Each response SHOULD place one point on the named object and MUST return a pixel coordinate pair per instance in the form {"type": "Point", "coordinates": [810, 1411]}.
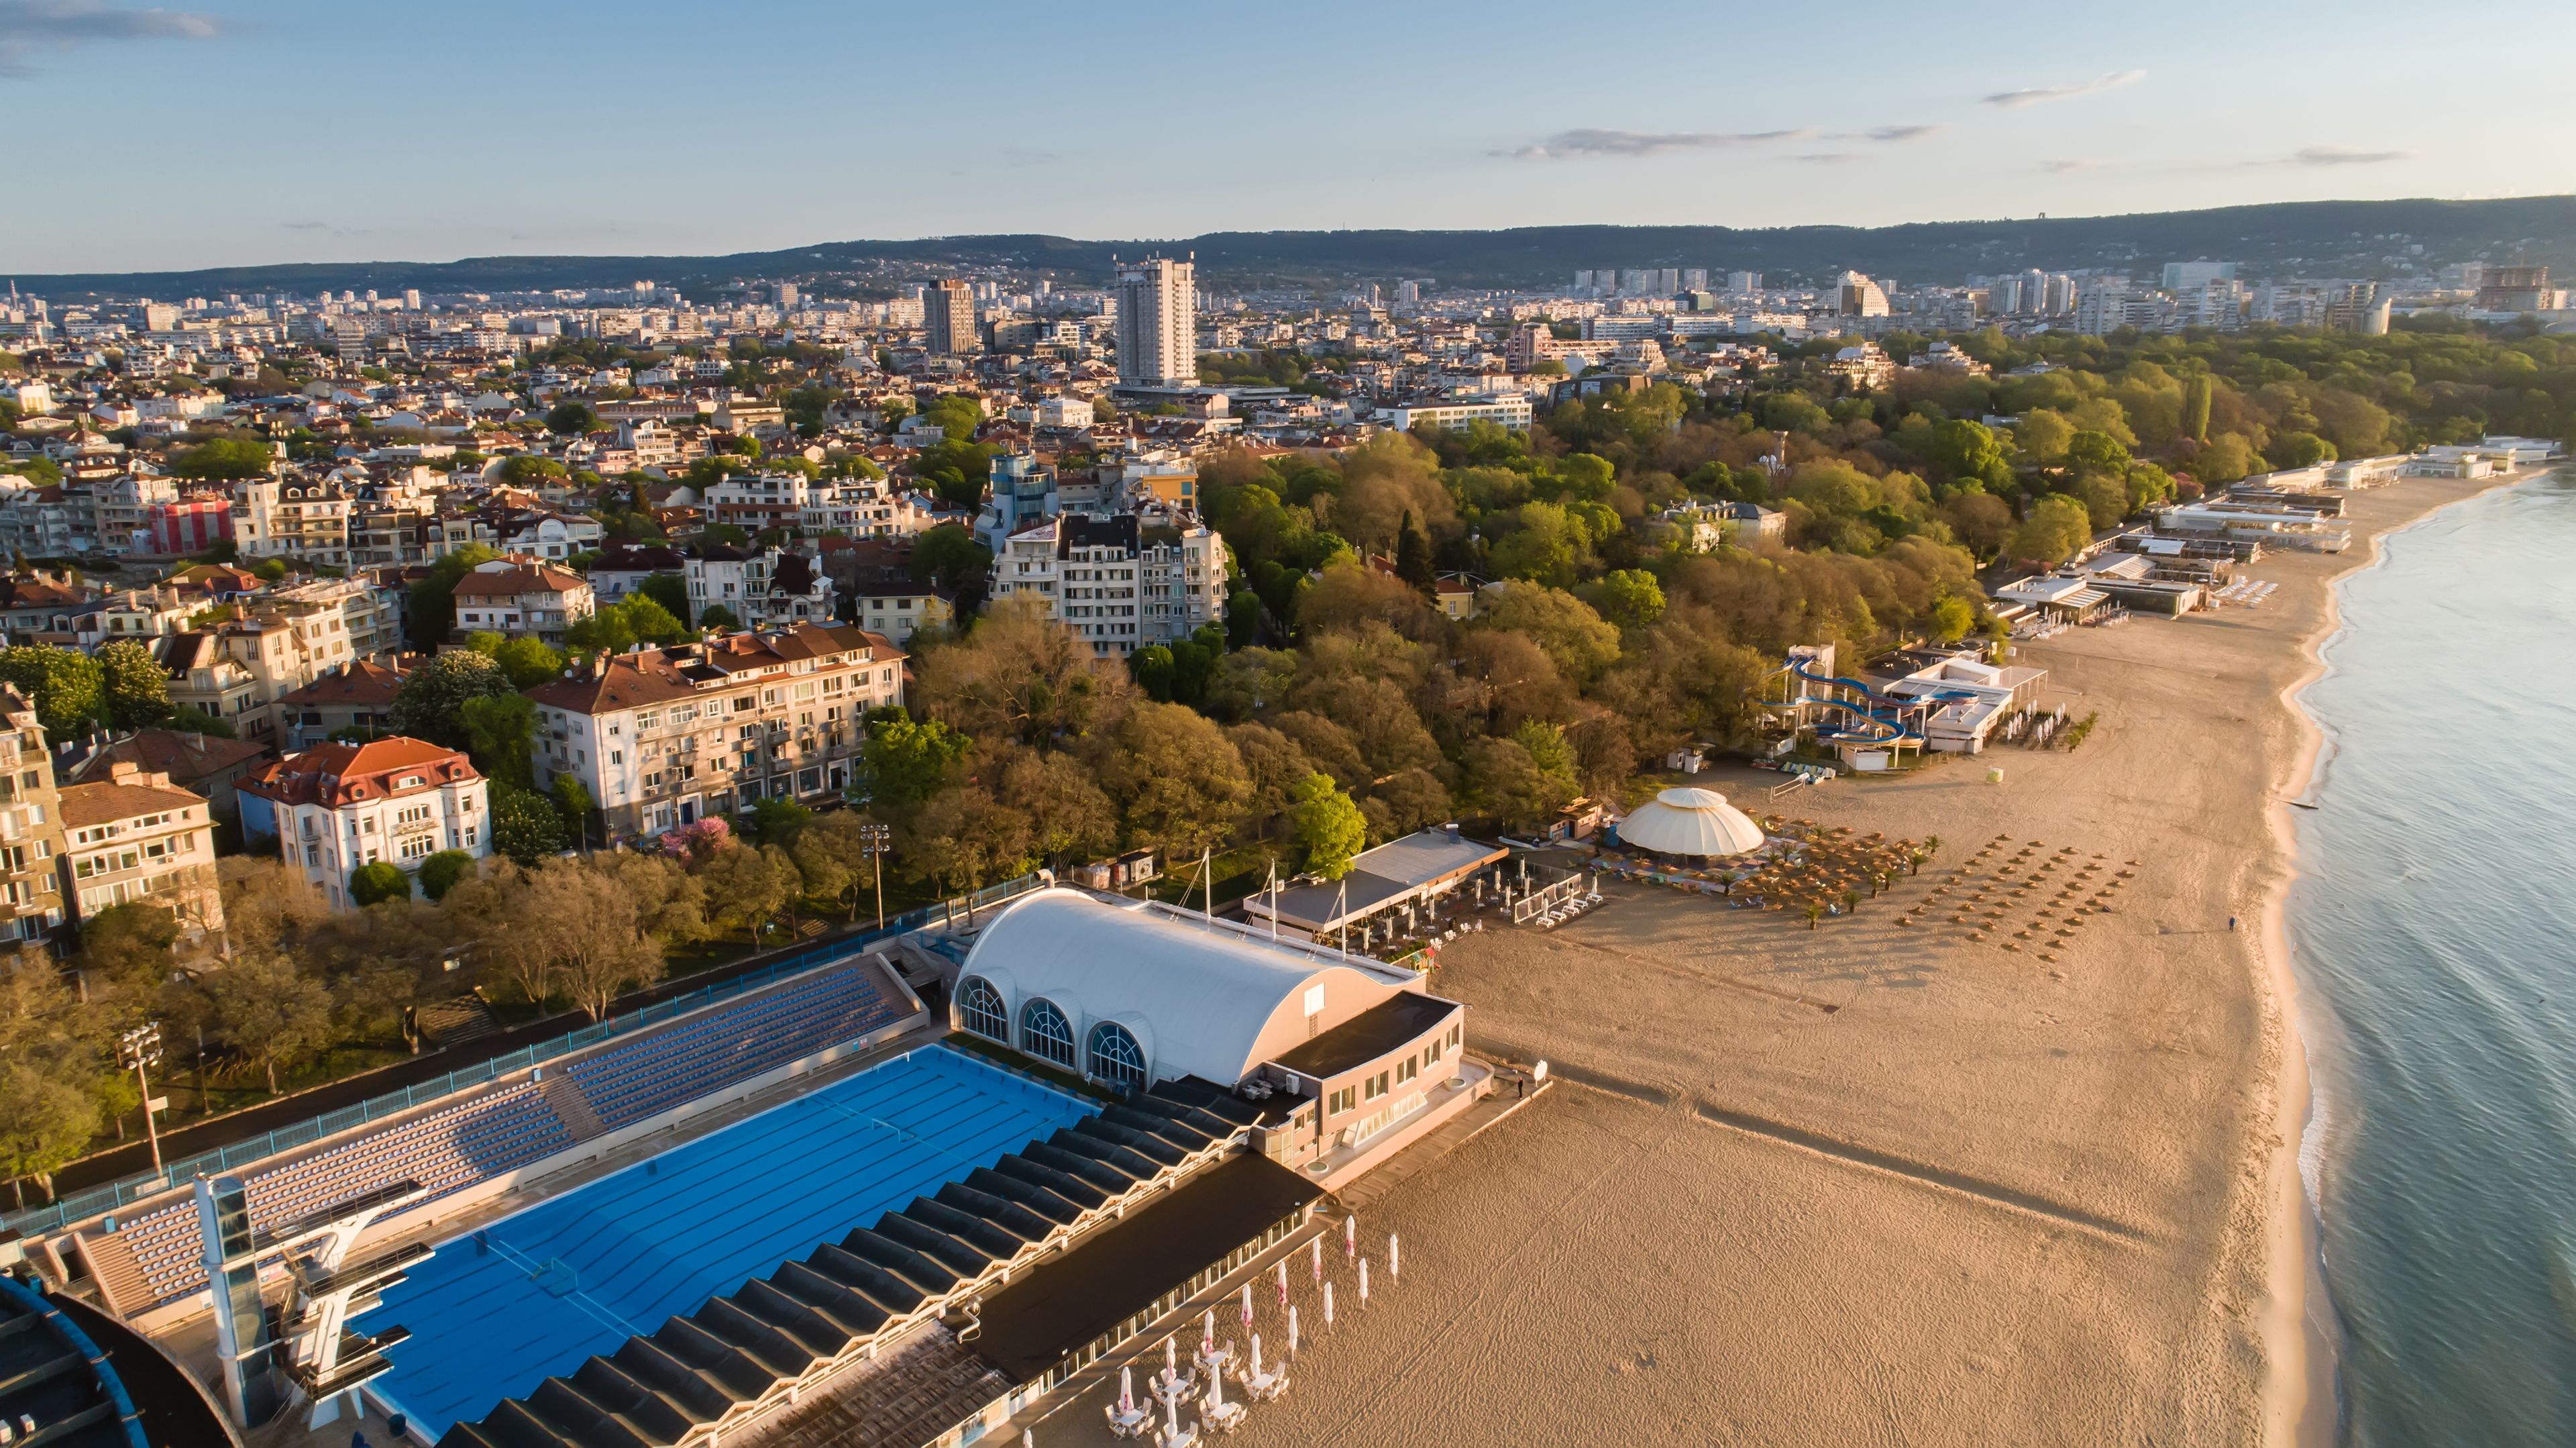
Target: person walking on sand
{"type": "Point", "coordinates": [2231, 925]}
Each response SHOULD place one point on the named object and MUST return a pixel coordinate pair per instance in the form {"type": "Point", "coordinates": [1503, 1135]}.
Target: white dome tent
{"type": "Point", "coordinates": [1686, 821]}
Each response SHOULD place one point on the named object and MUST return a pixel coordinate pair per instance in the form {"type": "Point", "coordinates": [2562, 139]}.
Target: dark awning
{"type": "Point", "coordinates": [1058, 1307]}
{"type": "Point", "coordinates": [1372, 1033]}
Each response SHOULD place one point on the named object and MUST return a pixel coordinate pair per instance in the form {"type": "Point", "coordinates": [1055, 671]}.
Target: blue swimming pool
{"type": "Point", "coordinates": [498, 1310]}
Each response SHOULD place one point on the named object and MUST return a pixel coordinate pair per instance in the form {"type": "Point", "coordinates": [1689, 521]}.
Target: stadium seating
{"type": "Point", "coordinates": [485, 1132]}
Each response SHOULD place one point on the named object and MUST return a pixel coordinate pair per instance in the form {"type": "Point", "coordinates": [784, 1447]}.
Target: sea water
{"type": "Point", "coordinates": [2434, 935]}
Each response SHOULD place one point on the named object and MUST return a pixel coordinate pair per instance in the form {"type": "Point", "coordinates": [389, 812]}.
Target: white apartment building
{"type": "Point", "coordinates": [514, 596]}
{"type": "Point", "coordinates": [665, 737]}
{"type": "Point", "coordinates": [865, 510]}
{"type": "Point", "coordinates": [291, 519]}
{"type": "Point", "coordinates": [337, 807]}
{"type": "Point", "coordinates": [1119, 582]}
{"type": "Point", "coordinates": [760, 587]}
{"type": "Point", "coordinates": [1158, 304]}
{"type": "Point", "coordinates": [1509, 411]}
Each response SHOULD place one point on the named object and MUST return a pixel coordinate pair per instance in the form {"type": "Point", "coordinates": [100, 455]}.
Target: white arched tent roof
{"type": "Point", "coordinates": [1196, 999]}
{"type": "Point", "coordinates": [1688, 821]}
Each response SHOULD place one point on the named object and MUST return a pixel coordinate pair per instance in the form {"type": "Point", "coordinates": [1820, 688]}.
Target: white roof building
{"type": "Point", "coordinates": [1687, 821]}
{"type": "Point", "coordinates": [1196, 998]}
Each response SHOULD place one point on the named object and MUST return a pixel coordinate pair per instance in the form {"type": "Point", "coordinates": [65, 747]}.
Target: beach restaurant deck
{"type": "Point", "coordinates": [1399, 875]}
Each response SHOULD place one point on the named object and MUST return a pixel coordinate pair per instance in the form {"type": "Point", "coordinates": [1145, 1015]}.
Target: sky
{"type": "Point", "coordinates": [231, 132]}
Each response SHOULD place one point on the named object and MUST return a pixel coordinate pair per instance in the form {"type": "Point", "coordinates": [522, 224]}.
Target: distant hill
{"type": "Point", "coordinates": [2320, 238]}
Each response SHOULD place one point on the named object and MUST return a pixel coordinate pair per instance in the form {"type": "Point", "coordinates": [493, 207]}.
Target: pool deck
{"type": "Point", "coordinates": [193, 1341]}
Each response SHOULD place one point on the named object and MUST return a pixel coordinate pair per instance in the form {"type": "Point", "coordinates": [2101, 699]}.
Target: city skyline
{"type": "Point", "coordinates": [528, 131]}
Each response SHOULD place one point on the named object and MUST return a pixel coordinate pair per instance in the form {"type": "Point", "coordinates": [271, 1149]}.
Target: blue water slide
{"type": "Point", "coordinates": [1889, 730]}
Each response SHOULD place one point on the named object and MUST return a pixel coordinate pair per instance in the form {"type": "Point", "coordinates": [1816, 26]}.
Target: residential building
{"type": "Point", "coordinates": [948, 315]}
{"type": "Point", "coordinates": [2186, 276]}
{"type": "Point", "coordinates": [359, 696]}
{"type": "Point", "coordinates": [663, 737]}
{"type": "Point", "coordinates": [1119, 582]}
{"type": "Point", "coordinates": [133, 837]}
{"type": "Point", "coordinates": [1509, 411]}
{"type": "Point", "coordinates": [337, 807]}
{"type": "Point", "coordinates": [760, 587]}
{"type": "Point", "coordinates": [1854, 295]}
{"type": "Point", "coordinates": [32, 913]}
{"type": "Point", "coordinates": [620, 570]}
{"type": "Point", "coordinates": [516, 596]}
{"type": "Point", "coordinates": [291, 518]}
{"type": "Point", "coordinates": [187, 525]}
{"type": "Point", "coordinates": [203, 764]}
{"type": "Point", "coordinates": [1157, 323]}
{"type": "Point", "coordinates": [898, 609]}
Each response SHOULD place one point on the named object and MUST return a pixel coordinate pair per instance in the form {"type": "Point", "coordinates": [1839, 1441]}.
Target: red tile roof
{"type": "Point", "coordinates": [333, 775]}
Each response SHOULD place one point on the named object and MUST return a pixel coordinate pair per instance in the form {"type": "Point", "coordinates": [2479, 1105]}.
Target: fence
{"type": "Point", "coordinates": [1541, 899]}
{"type": "Point", "coordinates": [179, 1173]}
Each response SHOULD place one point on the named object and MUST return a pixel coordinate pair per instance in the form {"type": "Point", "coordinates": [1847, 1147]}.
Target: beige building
{"type": "Point", "coordinates": [135, 837]}
{"type": "Point", "coordinates": [292, 519]}
{"type": "Point", "coordinates": [515, 596]}
{"type": "Point", "coordinates": [240, 668]}
{"type": "Point", "coordinates": [664, 737]}
{"type": "Point", "coordinates": [31, 832]}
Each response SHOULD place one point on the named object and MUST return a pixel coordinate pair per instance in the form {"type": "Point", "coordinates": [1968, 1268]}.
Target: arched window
{"type": "Point", "coordinates": [1046, 1034]}
{"type": "Point", "coordinates": [979, 1009]}
{"type": "Point", "coordinates": [1116, 1060]}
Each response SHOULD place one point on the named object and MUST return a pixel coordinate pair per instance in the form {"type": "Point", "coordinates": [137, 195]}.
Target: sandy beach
{"type": "Point", "coordinates": [1876, 1183]}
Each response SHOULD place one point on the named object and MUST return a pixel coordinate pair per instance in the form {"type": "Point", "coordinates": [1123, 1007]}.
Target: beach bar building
{"type": "Point", "coordinates": [1401, 874]}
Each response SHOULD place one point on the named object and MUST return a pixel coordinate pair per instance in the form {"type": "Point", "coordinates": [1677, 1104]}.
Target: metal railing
{"type": "Point", "coordinates": [179, 1173]}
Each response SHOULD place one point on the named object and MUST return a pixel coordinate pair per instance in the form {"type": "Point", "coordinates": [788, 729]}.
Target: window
{"type": "Point", "coordinates": [1045, 1034]}
{"type": "Point", "coordinates": [1406, 1070]}
{"type": "Point", "coordinates": [979, 1009]}
{"type": "Point", "coordinates": [1375, 1087]}
{"type": "Point", "coordinates": [1341, 1101]}
{"type": "Point", "coordinates": [1116, 1060]}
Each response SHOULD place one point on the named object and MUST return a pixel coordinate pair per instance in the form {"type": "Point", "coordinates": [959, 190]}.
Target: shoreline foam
{"type": "Point", "coordinates": [2296, 1317]}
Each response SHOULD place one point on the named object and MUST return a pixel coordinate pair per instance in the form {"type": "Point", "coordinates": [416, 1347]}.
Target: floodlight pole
{"type": "Point", "coordinates": [140, 1045]}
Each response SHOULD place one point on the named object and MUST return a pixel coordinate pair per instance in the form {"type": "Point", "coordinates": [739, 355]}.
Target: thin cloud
{"type": "Point", "coordinates": [1902, 133]}
{"type": "Point", "coordinates": [2336, 156]}
{"type": "Point", "coordinates": [30, 26]}
{"type": "Point", "coordinates": [2039, 95]}
{"type": "Point", "coordinates": [2062, 166]}
{"type": "Point", "coordinates": [1826, 158]}
{"type": "Point", "coordinates": [1590, 141]}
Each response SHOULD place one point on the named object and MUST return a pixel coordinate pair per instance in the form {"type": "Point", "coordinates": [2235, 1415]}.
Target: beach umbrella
{"type": "Point", "coordinates": [1207, 1331]}
{"type": "Point", "coordinates": [1283, 1282]}
{"type": "Point", "coordinates": [1319, 1259]}
{"type": "Point", "coordinates": [1127, 1389]}
{"type": "Point", "coordinates": [1216, 1394]}
{"type": "Point", "coordinates": [1394, 1263]}
{"type": "Point", "coordinates": [1292, 1329]}
{"type": "Point", "coordinates": [1247, 1304]}
{"type": "Point", "coordinates": [1363, 1282]}
{"type": "Point", "coordinates": [1171, 1357]}
{"type": "Point", "coordinates": [1328, 1304]}
{"type": "Point", "coordinates": [1256, 1354]}
{"type": "Point", "coordinates": [1172, 1416]}
{"type": "Point", "coordinates": [1028, 1438]}
{"type": "Point", "coordinates": [1351, 1238]}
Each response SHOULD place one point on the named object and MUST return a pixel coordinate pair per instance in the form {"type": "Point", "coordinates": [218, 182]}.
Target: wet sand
{"type": "Point", "coordinates": [1877, 1184]}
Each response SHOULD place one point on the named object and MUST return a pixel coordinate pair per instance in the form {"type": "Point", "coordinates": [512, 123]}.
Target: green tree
{"type": "Point", "coordinates": [2299, 450]}
{"type": "Point", "coordinates": [572, 801]}
{"type": "Point", "coordinates": [431, 700]}
{"type": "Point", "coordinates": [224, 459]}
{"type": "Point", "coordinates": [2057, 527]}
{"type": "Point", "coordinates": [716, 615]}
{"type": "Point", "coordinates": [137, 688]}
{"type": "Point", "coordinates": [1413, 556]}
{"type": "Point", "coordinates": [651, 621]}
{"type": "Point", "coordinates": [1628, 597]}
{"type": "Point", "coordinates": [501, 736]}
{"type": "Point", "coordinates": [193, 720]}
{"type": "Point", "coordinates": [1328, 826]}
{"type": "Point", "coordinates": [431, 613]}
{"type": "Point", "coordinates": [2096, 452]}
{"type": "Point", "coordinates": [528, 662]}
{"type": "Point", "coordinates": [1952, 617]}
{"type": "Point", "coordinates": [671, 591]}
{"type": "Point", "coordinates": [571, 419]}
{"type": "Point", "coordinates": [378, 881]}
{"type": "Point", "coordinates": [2195, 407]}
{"type": "Point", "coordinates": [527, 470]}
{"type": "Point", "coordinates": [778, 821]}
{"type": "Point", "coordinates": [905, 762]}
{"type": "Point", "coordinates": [952, 558]}
{"type": "Point", "coordinates": [440, 872]}
{"type": "Point", "coordinates": [68, 689]}
{"type": "Point", "coordinates": [264, 1009]}
{"type": "Point", "coordinates": [525, 826]}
